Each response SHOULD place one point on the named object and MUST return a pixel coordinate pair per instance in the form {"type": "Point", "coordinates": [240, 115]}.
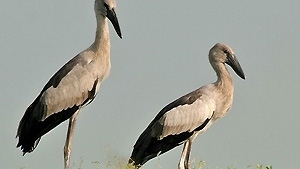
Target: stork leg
{"type": "Point", "coordinates": [185, 155]}
{"type": "Point", "coordinates": [68, 144]}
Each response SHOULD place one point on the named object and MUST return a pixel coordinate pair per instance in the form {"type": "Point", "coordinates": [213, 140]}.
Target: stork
{"type": "Point", "coordinates": [183, 119]}
{"type": "Point", "coordinates": [72, 87]}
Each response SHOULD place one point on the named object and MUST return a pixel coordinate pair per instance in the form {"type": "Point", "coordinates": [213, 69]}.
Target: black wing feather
{"type": "Point", "coordinates": [148, 147]}
{"type": "Point", "coordinates": [61, 73]}
{"type": "Point", "coordinates": [31, 128]}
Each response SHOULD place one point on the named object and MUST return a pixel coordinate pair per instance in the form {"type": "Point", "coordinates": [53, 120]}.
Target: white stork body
{"type": "Point", "coordinates": [72, 87]}
{"type": "Point", "coordinates": [183, 119]}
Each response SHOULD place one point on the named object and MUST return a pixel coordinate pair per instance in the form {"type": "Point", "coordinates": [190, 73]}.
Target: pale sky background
{"type": "Point", "coordinates": [162, 56]}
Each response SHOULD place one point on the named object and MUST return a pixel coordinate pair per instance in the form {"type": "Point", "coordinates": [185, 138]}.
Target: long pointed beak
{"type": "Point", "coordinates": [234, 63]}
{"type": "Point", "coordinates": [111, 15]}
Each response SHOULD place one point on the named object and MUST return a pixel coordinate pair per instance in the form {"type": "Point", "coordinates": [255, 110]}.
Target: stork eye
{"type": "Point", "coordinates": [106, 6]}
{"type": "Point", "coordinates": [226, 51]}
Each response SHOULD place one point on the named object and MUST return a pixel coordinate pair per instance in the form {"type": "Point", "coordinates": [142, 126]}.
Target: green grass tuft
{"type": "Point", "coordinates": [121, 163]}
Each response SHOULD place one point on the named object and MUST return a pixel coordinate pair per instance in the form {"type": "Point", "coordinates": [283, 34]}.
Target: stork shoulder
{"type": "Point", "coordinates": [184, 114]}
{"type": "Point", "coordinates": [71, 85]}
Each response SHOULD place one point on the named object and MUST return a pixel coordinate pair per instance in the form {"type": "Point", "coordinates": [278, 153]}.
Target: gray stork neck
{"type": "Point", "coordinates": [224, 80]}
{"type": "Point", "coordinates": [102, 41]}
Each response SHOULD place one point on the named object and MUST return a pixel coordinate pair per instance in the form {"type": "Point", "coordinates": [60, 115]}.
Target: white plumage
{"type": "Point", "coordinates": [183, 119]}
{"type": "Point", "coordinates": [72, 87]}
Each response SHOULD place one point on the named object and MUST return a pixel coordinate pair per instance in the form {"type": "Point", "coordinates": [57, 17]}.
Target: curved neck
{"type": "Point", "coordinates": [224, 80]}
{"type": "Point", "coordinates": [102, 35]}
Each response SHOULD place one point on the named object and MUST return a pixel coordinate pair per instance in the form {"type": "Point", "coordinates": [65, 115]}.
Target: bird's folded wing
{"type": "Point", "coordinates": [73, 85]}
{"type": "Point", "coordinates": [185, 118]}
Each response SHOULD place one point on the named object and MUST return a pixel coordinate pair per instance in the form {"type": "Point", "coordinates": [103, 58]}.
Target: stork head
{"type": "Point", "coordinates": [106, 8]}
{"type": "Point", "coordinates": [222, 53]}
